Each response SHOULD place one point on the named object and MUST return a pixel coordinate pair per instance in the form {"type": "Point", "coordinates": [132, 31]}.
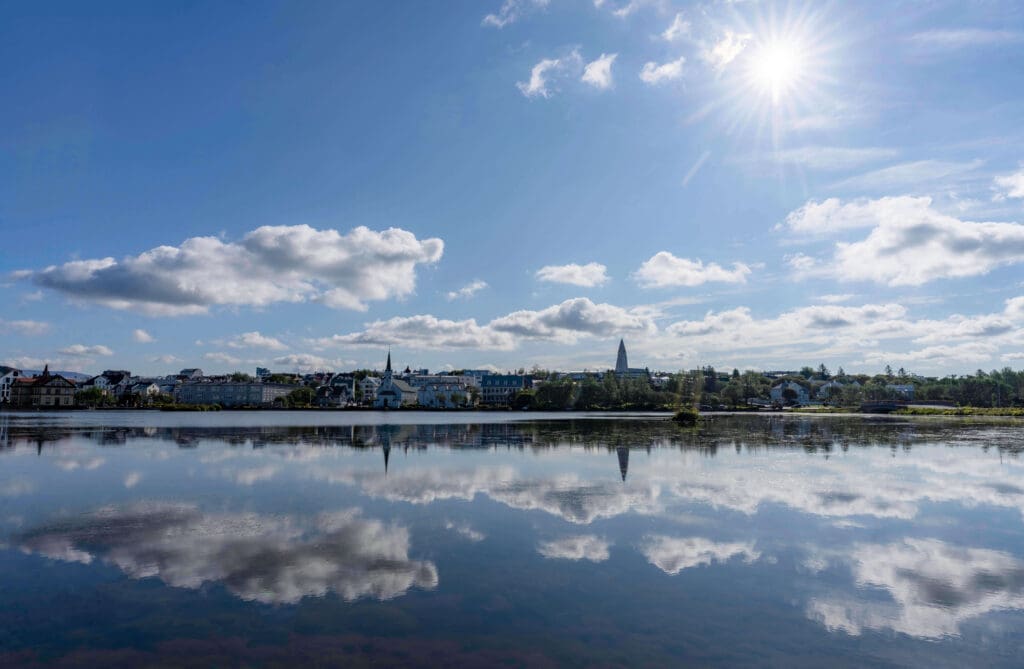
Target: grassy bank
{"type": "Point", "coordinates": [961, 411]}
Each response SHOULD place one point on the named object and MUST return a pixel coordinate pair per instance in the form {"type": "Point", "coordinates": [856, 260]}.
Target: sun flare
{"type": "Point", "coordinates": [776, 68]}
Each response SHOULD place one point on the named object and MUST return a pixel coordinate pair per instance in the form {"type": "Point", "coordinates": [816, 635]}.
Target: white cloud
{"type": "Point", "coordinates": [537, 86]}
{"type": "Point", "coordinates": [256, 340]}
{"type": "Point", "coordinates": [305, 363]}
{"type": "Point", "coordinates": [598, 73]}
{"type": "Point", "coordinates": [910, 242]}
{"type": "Point", "coordinates": [653, 73]}
{"type": "Point", "coordinates": [221, 357]}
{"type": "Point", "coordinates": [510, 12]}
{"type": "Point", "coordinates": [165, 359]}
{"type": "Point", "coordinates": [679, 28]}
{"type": "Point", "coordinates": [27, 328]}
{"type": "Point", "coordinates": [726, 49]}
{"type": "Point", "coordinates": [467, 291]}
{"type": "Point", "coordinates": [425, 332]}
{"type": "Point", "coordinates": [573, 318]}
{"type": "Point", "coordinates": [578, 547]}
{"type": "Point", "coordinates": [836, 298]}
{"type": "Point", "coordinates": [142, 337]}
{"type": "Point", "coordinates": [81, 350]}
{"type": "Point", "coordinates": [132, 479]}
{"type": "Point", "coordinates": [589, 275]}
{"type": "Point", "coordinates": [270, 264]}
{"type": "Point", "coordinates": [664, 270]}
{"type": "Point", "coordinates": [565, 322]}
{"type": "Point", "coordinates": [1010, 185]}
{"type": "Point", "coordinates": [672, 555]}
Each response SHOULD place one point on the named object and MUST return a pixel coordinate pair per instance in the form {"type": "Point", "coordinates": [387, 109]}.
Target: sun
{"type": "Point", "coordinates": [776, 68]}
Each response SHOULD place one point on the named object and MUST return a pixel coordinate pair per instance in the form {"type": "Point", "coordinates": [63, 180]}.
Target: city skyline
{"type": "Point", "coordinates": [512, 183]}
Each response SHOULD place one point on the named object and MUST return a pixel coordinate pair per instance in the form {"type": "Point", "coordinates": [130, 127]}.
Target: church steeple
{"type": "Point", "coordinates": [621, 363]}
{"type": "Point", "coordinates": [388, 367]}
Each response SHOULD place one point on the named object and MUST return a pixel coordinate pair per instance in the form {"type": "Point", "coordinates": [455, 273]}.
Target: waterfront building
{"type": "Point", "coordinates": [443, 395]}
{"type": "Point", "coordinates": [500, 389]}
{"type": "Point", "coordinates": [393, 393]}
{"type": "Point", "coordinates": [368, 389]}
{"type": "Point", "coordinates": [45, 391]}
{"type": "Point", "coordinates": [233, 393]}
{"type": "Point", "coordinates": [778, 393]}
{"type": "Point", "coordinates": [8, 375]}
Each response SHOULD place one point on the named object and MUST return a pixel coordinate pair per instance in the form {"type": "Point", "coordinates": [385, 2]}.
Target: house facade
{"type": "Point", "coordinates": [778, 393]}
{"type": "Point", "coordinates": [232, 393]}
{"type": "Point", "coordinates": [443, 395]}
{"type": "Point", "coordinates": [499, 389]}
{"type": "Point", "coordinates": [8, 375]}
{"type": "Point", "coordinates": [48, 391]}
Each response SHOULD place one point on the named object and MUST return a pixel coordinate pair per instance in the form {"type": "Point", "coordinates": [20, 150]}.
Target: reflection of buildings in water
{"type": "Point", "coordinates": [623, 454]}
{"type": "Point", "coordinates": [5, 441]}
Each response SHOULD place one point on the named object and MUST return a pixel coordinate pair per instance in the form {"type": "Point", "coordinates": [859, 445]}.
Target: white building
{"type": "Point", "coordinates": [368, 389]}
{"type": "Point", "coordinates": [394, 393]}
{"type": "Point", "coordinates": [7, 377]}
{"type": "Point", "coordinates": [443, 395]}
{"type": "Point", "coordinates": [778, 393]}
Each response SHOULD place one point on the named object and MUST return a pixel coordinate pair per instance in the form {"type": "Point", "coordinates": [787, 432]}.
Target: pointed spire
{"type": "Point", "coordinates": [46, 369]}
{"type": "Point", "coordinates": [623, 454]}
{"type": "Point", "coordinates": [387, 456]}
{"type": "Point", "coordinates": [388, 367]}
{"type": "Point", "coordinates": [621, 362]}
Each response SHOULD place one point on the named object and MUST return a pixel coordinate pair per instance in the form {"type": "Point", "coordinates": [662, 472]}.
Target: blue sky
{"type": "Point", "coordinates": [512, 182]}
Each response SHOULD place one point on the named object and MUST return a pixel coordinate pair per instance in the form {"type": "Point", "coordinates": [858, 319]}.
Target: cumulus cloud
{"type": "Point", "coordinates": [221, 357]}
{"type": "Point", "coordinates": [571, 319]}
{"type": "Point", "coordinates": [598, 73]}
{"type": "Point", "coordinates": [726, 49]}
{"type": "Point", "coordinates": [665, 270]}
{"type": "Point", "coordinates": [27, 328]}
{"type": "Point", "coordinates": [424, 332]}
{"type": "Point", "coordinates": [268, 559]}
{"type": "Point", "coordinates": [910, 242]}
{"type": "Point", "coordinates": [537, 86]}
{"type": "Point", "coordinates": [672, 555]}
{"type": "Point", "coordinates": [270, 264]}
{"type": "Point", "coordinates": [1010, 185]}
{"type": "Point", "coordinates": [679, 28]}
{"type": "Point", "coordinates": [256, 340]}
{"type": "Point", "coordinates": [511, 11]}
{"type": "Point", "coordinates": [589, 275]}
{"type": "Point", "coordinates": [467, 291]}
{"type": "Point", "coordinates": [82, 351]}
{"type": "Point", "coordinates": [142, 337]}
{"type": "Point", "coordinates": [306, 362]}
{"type": "Point", "coordinates": [653, 73]}
{"type": "Point", "coordinates": [847, 330]}
{"type": "Point", "coordinates": [578, 547]}
{"type": "Point", "coordinates": [565, 322]}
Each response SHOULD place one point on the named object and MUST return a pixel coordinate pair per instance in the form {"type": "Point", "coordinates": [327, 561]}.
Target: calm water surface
{"type": "Point", "coordinates": [524, 540]}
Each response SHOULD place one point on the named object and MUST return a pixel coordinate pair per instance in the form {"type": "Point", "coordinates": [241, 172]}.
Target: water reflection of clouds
{"type": "Point", "coordinates": [569, 496]}
{"type": "Point", "coordinates": [932, 587]}
{"type": "Point", "coordinates": [674, 554]}
{"type": "Point", "coordinates": [578, 547]}
{"type": "Point", "coordinates": [269, 559]}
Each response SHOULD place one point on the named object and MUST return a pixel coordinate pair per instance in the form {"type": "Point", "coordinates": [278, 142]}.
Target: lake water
{"type": "Point", "coordinates": [535, 540]}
